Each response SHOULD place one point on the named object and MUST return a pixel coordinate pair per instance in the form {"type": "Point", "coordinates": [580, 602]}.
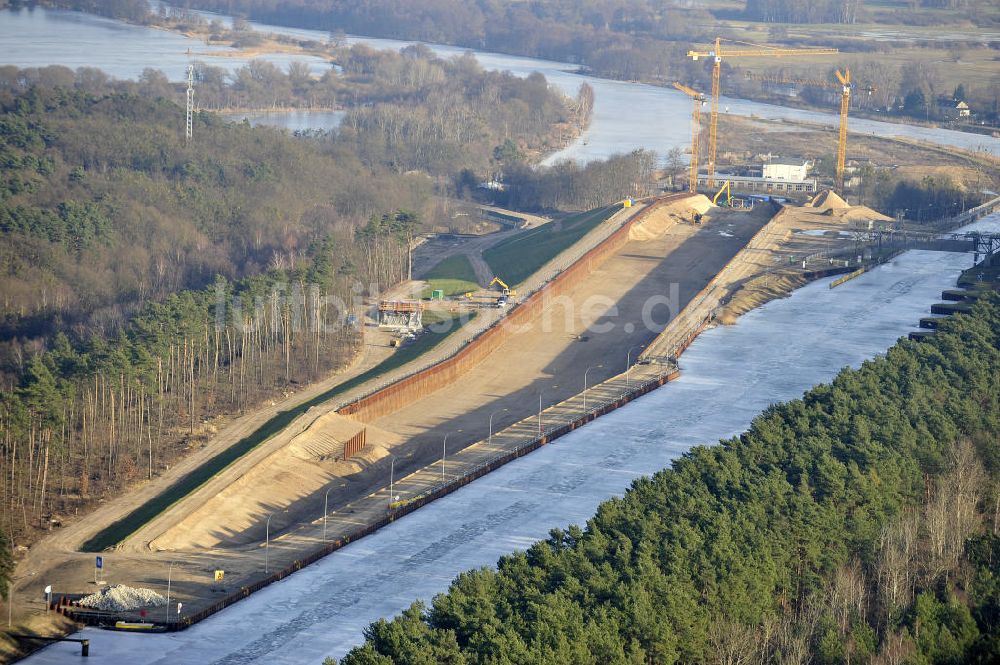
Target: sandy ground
{"type": "Point", "coordinates": [56, 559]}
{"type": "Point", "coordinates": [224, 529]}
{"type": "Point", "coordinates": [614, 312]}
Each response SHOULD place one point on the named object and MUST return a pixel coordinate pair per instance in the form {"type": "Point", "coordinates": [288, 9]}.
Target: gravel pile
{"type": "Point", "coordinates": [120, 598]}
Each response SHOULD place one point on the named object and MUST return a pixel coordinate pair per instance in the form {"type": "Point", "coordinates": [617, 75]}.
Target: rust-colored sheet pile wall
{"type": "Point", "coordinates": [392, 398]}
{"type": "Point", "coordinates": [354, 445]}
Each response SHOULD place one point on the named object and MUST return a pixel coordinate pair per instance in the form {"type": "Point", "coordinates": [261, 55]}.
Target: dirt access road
{"type": "Point", "coordinates": [615, 310]}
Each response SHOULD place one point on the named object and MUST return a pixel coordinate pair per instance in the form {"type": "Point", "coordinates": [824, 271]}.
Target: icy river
{"type": "Point", "coordinates": [729, 375]}
{"type": "Point", "coordinates": [627, 116]}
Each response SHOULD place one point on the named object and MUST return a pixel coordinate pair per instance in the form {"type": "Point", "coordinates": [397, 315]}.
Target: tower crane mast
{"type": "Point", "coordinates": [846, 86]}
{"type": "Point", "coordinates": [699, 101]}
{"type": "Point", "coordinates": [717, 54]}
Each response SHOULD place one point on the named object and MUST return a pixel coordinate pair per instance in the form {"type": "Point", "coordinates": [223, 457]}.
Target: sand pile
{"type": "Point", "coordinates": [662, 217]}
{"type": "Point", "coordinates": [827, 200]}
{"type": "Point", "coordinates": [863, 213]}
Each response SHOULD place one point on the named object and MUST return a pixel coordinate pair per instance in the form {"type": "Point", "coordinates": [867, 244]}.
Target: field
{"type": "Point", "coordinates": [517, 258]}
{"type": "Point", "coordinates": [453, 275]}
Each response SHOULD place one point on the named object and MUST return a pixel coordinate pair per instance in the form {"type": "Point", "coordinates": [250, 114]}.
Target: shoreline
{"type": "Point", "coordinates": [656, 376]}
{"type": "Point", "coordinates": [276, 45]}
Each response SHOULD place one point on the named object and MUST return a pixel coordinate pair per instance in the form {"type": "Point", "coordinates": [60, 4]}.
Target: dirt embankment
{"type": "Point", "coordinates": [587, 322]}
{"type": "Point", "coordinates": [794, 247]}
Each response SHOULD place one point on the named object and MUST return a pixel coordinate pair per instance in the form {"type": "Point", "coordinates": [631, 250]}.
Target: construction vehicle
{"type": "Point", "coordinates": [845, 85]}
{"type": "Point", "coordinates": [504, 289]}
{"type": "Point", "coordinates": [699, 101]}
{"type": "Point", "coordinates": [729, 195]}
{"type": "Point", "coordinates": [759, 51]}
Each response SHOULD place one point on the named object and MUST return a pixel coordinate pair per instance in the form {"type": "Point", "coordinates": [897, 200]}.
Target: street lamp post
{"type": "Point", "coordinates": [170, 570]}
{"type": "Point", "coordinates": [444, 452]}
{"type": "Point", "coordinates": [540, 391]}
{"type": "Point", "coordinates": [540, 412]}
{"type": "Point", "coordinates": [392, 471]}
{"type": "Point", "coordinates": [267, 539]}
{"type": "Point", "coordinates": [628, 363]}
{"type": "Point", "coordinates": [587, 371]}
{"type": "Point", "coordinates": [326, 503]}
{"type": "Point", "coordinates": [490, 440]}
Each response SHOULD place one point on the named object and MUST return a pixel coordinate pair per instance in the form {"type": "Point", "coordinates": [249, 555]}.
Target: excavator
{"type": "Point", "coordinates": [505, 291]}
{"type": "Point", "coordinates": [729, 195]}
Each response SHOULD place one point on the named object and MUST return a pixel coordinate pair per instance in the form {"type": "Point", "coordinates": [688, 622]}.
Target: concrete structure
{"type": "Point", "coordinates": [788, 172]}
{"type": "Point", "coordinates": [753, 184]}
{"type": "Point", "coordinates": [402, 315]}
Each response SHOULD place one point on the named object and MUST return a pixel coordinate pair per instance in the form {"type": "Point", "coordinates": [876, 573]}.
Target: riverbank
{"type": "Point", "coordinates": [357, 518]}
{"type": "Point", "coordinates": [314, 43]}
{"type": "Point", "coordinates": [729, 375]}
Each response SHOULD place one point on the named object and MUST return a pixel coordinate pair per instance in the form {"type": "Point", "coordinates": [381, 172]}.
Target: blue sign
{"type": "Point", "coordinates": [100, 562]}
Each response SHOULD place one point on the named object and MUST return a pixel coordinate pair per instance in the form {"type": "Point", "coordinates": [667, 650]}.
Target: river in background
{"type": "Point", "coordinates": [627, 116]}
{"type": "Point", "coordinates": [293, 121]}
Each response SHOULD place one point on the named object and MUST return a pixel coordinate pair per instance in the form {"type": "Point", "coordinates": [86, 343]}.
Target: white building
{"type": "Point", "coordinates": [786, 172]}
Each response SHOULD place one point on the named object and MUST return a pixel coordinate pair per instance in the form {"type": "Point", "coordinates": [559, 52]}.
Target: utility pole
{"type": "Point", "coordinates": [189, 127]}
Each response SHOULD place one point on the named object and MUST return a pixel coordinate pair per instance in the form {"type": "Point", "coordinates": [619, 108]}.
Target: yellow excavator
{"type": "Point", "coordinates": [505, 292]}
{"type": "Point", "coordinates": [729, 195]}
{"type": "Point", "coordinates": [504, 289]}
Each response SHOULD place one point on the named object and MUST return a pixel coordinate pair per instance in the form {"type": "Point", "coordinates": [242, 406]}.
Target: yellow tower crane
{"type": "Point", "coordinates": [699, 101]}
{"type": "Point", "coordinates": [844, 84]}
{"type": "Point", "coordinates": [717, 55]}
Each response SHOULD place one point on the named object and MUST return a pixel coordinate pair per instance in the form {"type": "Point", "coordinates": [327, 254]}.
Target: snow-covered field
{"type": "Point", "coordinates": [729, 375]}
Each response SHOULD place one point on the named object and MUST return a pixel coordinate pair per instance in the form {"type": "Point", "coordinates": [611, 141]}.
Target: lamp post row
{"type": "Point", "coordinates": [444, 454]}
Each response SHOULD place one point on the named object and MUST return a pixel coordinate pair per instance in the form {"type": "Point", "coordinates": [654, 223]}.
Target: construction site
{"type": "Point", "coordinates": [601, 323]}
{"type": "Point", "coordinates": [520, 362]}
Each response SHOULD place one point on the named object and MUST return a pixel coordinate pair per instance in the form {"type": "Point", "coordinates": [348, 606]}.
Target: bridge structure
{"type": "Point", "coordinates": [982, 244]}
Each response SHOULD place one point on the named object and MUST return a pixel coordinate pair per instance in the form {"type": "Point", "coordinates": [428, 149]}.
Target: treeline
{"type": "Point", "coordinates": [569, 186]}
{"type": "Point", "coordinates": [87, 420]}
{"type": "Point", "coordinates": [817, 11]}
{"type": "Point", "coordinates": [929, 199]}
{"type": "Point", "coordinates": [628, 39]}
{"type": "Point", "coordinates": [859, 523]}
{"type": "Point", "coordinates": [446, 115]}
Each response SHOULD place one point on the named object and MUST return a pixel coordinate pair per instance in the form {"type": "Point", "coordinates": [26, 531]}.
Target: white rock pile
{"type": "Point", "coordinates": [121, 598]}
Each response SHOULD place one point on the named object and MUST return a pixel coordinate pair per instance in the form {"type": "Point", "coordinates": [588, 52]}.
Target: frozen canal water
{"type": "Point", "coordinates": [729, 375]}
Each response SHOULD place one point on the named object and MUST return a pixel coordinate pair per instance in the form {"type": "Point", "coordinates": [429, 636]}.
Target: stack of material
{"type": "Point", "coordinates": [121, 598]}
